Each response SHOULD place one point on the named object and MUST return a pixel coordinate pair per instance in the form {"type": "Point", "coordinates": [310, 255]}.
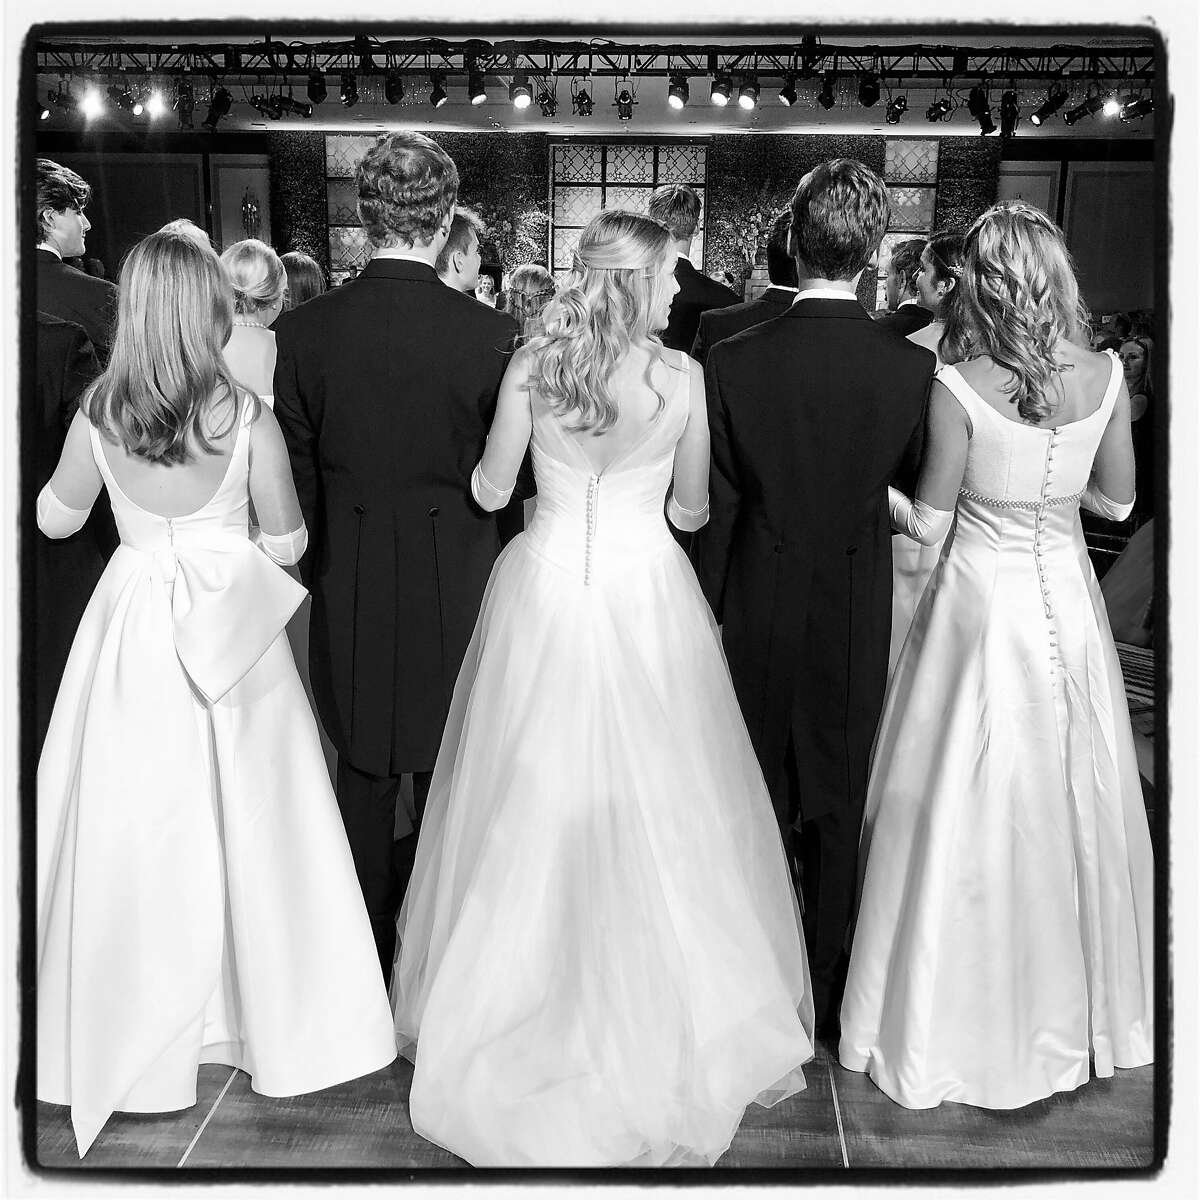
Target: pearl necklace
{"type": "Point", "coordinates": [251, 325]}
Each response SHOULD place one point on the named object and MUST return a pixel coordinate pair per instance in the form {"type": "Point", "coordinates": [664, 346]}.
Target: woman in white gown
{"type": "Point", "coordinates": [912, 561]}
{"type": "Point", "coordinates": [1004, 944]}
{"type": "Point", "coordinates": [601, 960]}
{"type": "Point", "coordinates": [196, 897]}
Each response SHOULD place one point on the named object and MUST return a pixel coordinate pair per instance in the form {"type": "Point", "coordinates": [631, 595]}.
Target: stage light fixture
{"type": "Point", "coordinates": [138, 106]}
{"type": "Point", "coordinates": [43, 112]}
{"type": "Point", "coordinates": [91, 105]}
{"type": "Point", "coordinates": [624, 105]}
{"type": "Point", "coordinates": [262, 105]}
{"type": "Point", "coordinates": [582, 103]}
{"type": "Point", "coordinates": [1113, 106]}
{"type": "Point", "coordinates": [1010, 113]}
{"type": "Point", "coordinates": [184, 103]}
{"type": "Point", "coordinates": [940, 109]}
{"type": "Point", "coordinates": [393, 87]}
{"type": "Point", "coordinates": [980, 109]}
{"type": "Point", "coordinates": [787, 93]}
{"type": "Point", "coordinates": [547, 101]}
{"type": "Point", "coordinates": [317, 91]}
{"type": "Point", "coordinates": [827, 97]}
{"type": "Point", "coordinates": [297, 107]}
{"type": "Point", "coordinates": [896, 108]}
{"type": "Point", "coordinates": [678, 91]}
{"type": "Point", "coordinates": [748, 93]}
{"type": "Point", "coordinates": [476, 88]}
{"type": "Point", "coordinates": [61, 97]}
{"type": "Point", "coordinates": [348, 90]}
{"type": "Point", "coordinates": [121, 97]}
{"type": "Point", "coordinates": [519, 92]}
{"type": "Point", "coordinates": [868, 90]}
{"type": "Point", "coordinates": [218, 106]}
{"type": "Point", "coordinates": [437, 91]}
{"type": "Point", "coordinates": [1138, 107]}
{"type": "Point", "coordinates": [1092, 105]}
{"type": "Point", "coordinates": [1056, 97]}
{"type": "Point", "coordinates": [156, 105]}
{"type": "Point", "coordinates": [721, 90]}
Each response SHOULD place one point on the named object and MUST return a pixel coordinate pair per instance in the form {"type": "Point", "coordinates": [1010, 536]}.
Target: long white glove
{"type": "Point", "coordinates": [55, 519]}
{"type": "Point", "coordinates": [687, 520]}
{"type": "Point", "coordinates": [1096, 501]}
{"type": "Point", "coordinates": [284, 548]}
{"type": "Point", "coordinates": [920, 521]}
{"type": "Point", "coordinates": [489, 497]}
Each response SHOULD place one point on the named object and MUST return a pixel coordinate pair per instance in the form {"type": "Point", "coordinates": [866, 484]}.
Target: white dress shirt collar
{"type": "Point", "coordinates": [52, 249]}
{"type": "Point", "coordinates": [395, 252]}
{"type": "Point", "coordinates": [825, 294]}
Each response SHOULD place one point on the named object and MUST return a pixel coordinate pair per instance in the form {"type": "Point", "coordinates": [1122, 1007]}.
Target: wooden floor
{"type": "Point", "coordinates": [840, 1121]}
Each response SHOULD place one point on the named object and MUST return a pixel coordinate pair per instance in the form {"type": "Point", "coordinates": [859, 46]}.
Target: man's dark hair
{"type": "Point", "coordinates": [906, 261]}
{"type": "Point", "coordinates": [406, 185]}
{"type": "Point", "coordinates": [58, 188]}
{"type": "Point", "coordinates": [678, 207]}
{"type": "Point", "coordinates": [781, 266]}
{"type": "Point", "coordinates": [465, 219]}
{"type": "Point", "coordinates": [839, 215]}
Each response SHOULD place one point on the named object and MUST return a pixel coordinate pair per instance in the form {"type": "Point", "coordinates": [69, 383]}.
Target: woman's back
{"type": "Point", "coordinates": [250, 357]}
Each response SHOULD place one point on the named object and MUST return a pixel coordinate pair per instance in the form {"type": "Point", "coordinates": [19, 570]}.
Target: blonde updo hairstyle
{"type": "Point", "coordinates": [257, 274]}
{"type": "Point", "coordinates": [1018, 297]}
{"type": "Point", "coordinates": [530, 289]}
{"type": "Point", "coordinates": [617, 287]}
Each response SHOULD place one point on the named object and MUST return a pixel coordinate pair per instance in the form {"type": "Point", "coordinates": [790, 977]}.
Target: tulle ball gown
{"type": "Point", "coordinates": [1004, 943]}
{"type": "Point", "coordinates": [197, 899]}
{"type": "Point", "coordinates": [601, 960]}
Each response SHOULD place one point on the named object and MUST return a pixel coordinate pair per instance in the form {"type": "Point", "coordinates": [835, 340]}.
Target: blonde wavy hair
{"type": "Point", "coordinates": [166, 370]}
{"type": "Point", "coordinates": [1018, 297]}
{"type": "Point", "coordinates": [618, 282]}
{"type": "Point", "coordinates": [257, 274]}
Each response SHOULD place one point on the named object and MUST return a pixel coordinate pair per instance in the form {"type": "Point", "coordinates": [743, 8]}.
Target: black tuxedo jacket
{"type": "Point", "coordinates": [908, 318]}
{"type": "Point", "coordinates": [697, 293]}
{"type": "Point", "coordinates": [719, 323]}
{"type": "Point", "coordinates": [385, 388]}
{"type": "Point", "coordinates": [810, 415]}
{"type": "Point", "coordinates": [73, 295]}
{"type": "Point", "coordinates": [65, 570]}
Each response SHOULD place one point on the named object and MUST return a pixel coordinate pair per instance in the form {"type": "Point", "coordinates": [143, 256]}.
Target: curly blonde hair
{"type": "Point", "coordinates": [1017, 299]}
{"type": "Point", "coordinates": [617, 283]}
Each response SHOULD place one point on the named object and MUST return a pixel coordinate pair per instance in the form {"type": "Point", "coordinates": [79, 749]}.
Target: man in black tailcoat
{"type": "Point", "coordinates": [719, 323]}
{"type": "Point", "coordinates": [385, 389]}
{"type": "Point", "coordinates": [678, 207]}
{"type": "Point", "coordinates": [64, 291]}
{"type": "Point", "coordinates": [811, 415]}
{"type": "Point", "coordinates": [905, 313]}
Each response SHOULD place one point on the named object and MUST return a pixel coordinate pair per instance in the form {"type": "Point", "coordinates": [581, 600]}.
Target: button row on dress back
{"type": "Point", "coordinates": [593, 488]}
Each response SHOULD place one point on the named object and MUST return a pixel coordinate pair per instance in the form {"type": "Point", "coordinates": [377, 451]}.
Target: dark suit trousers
{"type": "Point", "coordinates": [826, 847]}
{"type": "Point", "coordinates": [384, 865]}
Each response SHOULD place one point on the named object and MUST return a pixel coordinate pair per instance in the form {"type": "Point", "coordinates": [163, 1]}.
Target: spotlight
{"type": "Point", "coordinates": [981, 110]}
{"type": "Point", "coordinates": [437, 92]}
{"type": "Point", "coordinates": [267, 106]}
{"type": "Point", "coordinates": [348, 91]}
{"type": "Point", "coordinates": [582, 103]}
{"type": "Point", "coordinates": [1092, 105]}
{"type": "Point", "coordinates": [547, 101]}
{"type": "Point", "coordinates": [476, 90]}
{"type": "Point", "coordinates": [218, 106]}
{"type": "Point", "coordinates": [1010, 114]}
{"type": "Point", "coordinates": [787, 93]}
{"type": "Point", "coordinates": [61, 98]}
{"type": "Point", "coordinates": [184, 103]}
{"type": "Point", "coordinates": [393, 87]}
{"type": "Point", "coordinates": [91, 105]}
{"type": "Point", "coordinates": [722, 89]}
{"type": "Point", "coordinates": [748, 92]}
{"type": "Point", "coordinates": [292, 105]}
{"type": "Point", "coordinates": [896, 108]}
{"type": "Point", "coordinates": [827, 99]}
{"type": "Point", "coordinates": [624, 105]}
{"type": "Point", "coordinates": [940, 109]}
{"type": "Point", "coordinates": [1055, 98]}
{"type": "Point", "coordinates": [1140, 106]}
{"type": "Point", "coordinates": [678, 91]}
{"type": "Point", "coordinates": [138, 106]}
{"type": "Point", "coordinates": [155, 104]}
{"type": "Point", "coordinates": [317, 91]}
{"type": "Point", "coordinates": [1112, 106]}
{"type": "Point", "coordinates": [42, 111]}
{"type": "Point", "coordinates": [868, 90]}
{"type": "Point", "coordinates": [519, 92]}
